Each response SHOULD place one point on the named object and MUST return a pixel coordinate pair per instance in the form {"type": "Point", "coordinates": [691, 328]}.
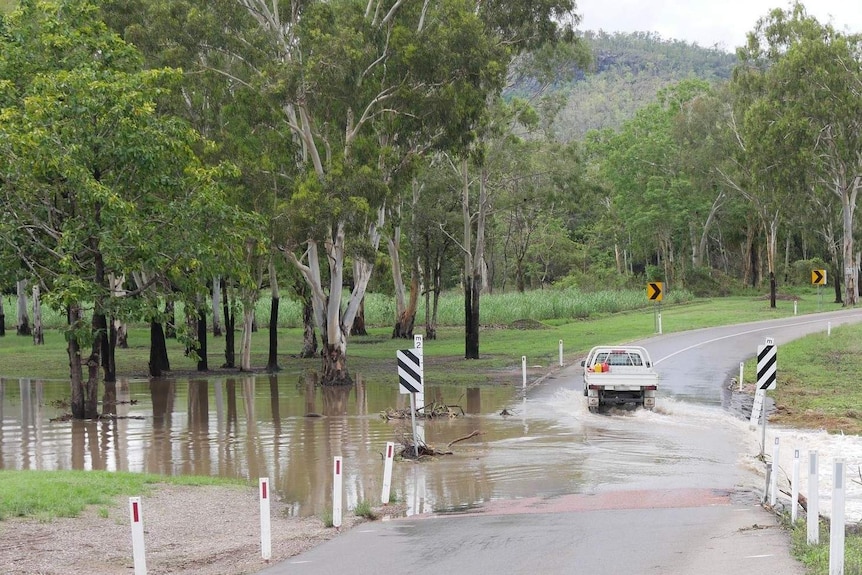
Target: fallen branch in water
{"type": "Point", "coordinates": [474, 434]}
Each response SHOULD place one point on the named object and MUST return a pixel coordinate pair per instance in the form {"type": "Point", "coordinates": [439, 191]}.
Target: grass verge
{"type": "Point", "coordinates": [47, 495]}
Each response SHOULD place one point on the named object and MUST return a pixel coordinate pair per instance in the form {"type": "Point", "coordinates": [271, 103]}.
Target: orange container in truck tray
{"type": "Point", "coordinates": [619, 377]}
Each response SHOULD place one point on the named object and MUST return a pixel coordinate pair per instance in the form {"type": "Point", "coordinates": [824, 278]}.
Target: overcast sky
{"type": "Point", "coordinates": [706, 22]}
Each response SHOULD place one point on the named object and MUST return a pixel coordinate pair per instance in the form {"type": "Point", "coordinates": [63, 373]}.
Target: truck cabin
{"type": "Point", "coordinates": [619, 358]}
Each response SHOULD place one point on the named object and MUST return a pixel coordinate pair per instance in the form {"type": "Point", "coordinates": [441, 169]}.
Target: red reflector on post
{"type": "Point", "coordinates": [651, 387]}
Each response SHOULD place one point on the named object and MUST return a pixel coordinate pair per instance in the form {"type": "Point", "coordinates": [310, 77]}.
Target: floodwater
{"type": "Point", "coordinates": [289, 431]}
{"type": "Point", "coordinates": [266, 426]}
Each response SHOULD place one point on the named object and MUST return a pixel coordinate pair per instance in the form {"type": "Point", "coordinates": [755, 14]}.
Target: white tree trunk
{"type": "Point", "coordinates": [38, 336]}
{"type": "Point", "coordinates": [23, 318]}
{"type": "Point", "coordinates": [217, 324]}
{"type": "Point", "coordinates": [245, 345]}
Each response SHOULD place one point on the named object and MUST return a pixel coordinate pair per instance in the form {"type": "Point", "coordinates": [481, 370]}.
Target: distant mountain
{"type": "Point", "coordinates": [629, 71]}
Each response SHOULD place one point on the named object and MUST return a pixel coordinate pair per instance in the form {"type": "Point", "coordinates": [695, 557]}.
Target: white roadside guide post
{"type": "Point", "coordinates": [836, 524]}
{"type": "Point", "coordinates": [138, 551]}
{"type": "Point", "coordinates": [561, 353]}
{"type": "Point", "coordinates": [387, 472]}
{"type": "Point", "coordinates": [773, 487]}
{"type": "Point", "coordinates": [794, 489]}
{"type": "Point", "coordinates": [524, 372]}
{"type": "Point", "coordinates": [265, 523]}
{"type": "Point", "coordinates": [336, 491]}
{"type": "Point", "coordinates": [410, 381]}
{"type": "Point", "coordinates": [813, 511]}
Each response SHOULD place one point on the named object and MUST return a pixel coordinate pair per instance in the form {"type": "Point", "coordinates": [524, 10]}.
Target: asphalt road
{"type": "Point", "coordinates": [701, 517]}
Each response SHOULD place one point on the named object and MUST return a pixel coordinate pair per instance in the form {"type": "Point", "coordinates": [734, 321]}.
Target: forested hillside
{"type": "Point", "coordinates": [629, 70]}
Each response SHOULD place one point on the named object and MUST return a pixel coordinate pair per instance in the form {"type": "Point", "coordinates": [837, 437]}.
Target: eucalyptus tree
{"type": "Point", "coordinates": [94, 179]}
{"type": "Point", "coordinates": [807, 77]}
{"type": "Point", "coordinates": [339, 73]}
{"type": "Point", "coordinates": [535, 36]}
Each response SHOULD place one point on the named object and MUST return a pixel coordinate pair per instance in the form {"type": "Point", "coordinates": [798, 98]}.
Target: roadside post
{"type": "Point", "coordinates": [524, 372]}
{"type": "Point", "coordinates": [265, 523]}
{"type": "Point", "coordinates": [387, 472]}
{"type": "Point", "coordinates": [767, 359]}
{"type": "Point", "coordinates": [813, 511]}
{"type": "Point", "coordinates": [741, 373]}
{"type": "Point", "coordinates": [561, 353]}
{"type": "Point", "coordinates": [655, 294]}
{"type": "Point", "coordinates": [410, 381]}
{"type": "Point", "coordinates": [773, 488]}
{"type": "Point", "coordinates": [419, 348]}
{"type": "Point", "coordinates": [337, 482]}
{"type": "Point", "coordinates": [836, 523]}
{"type": "Point", "coordinates": [138, 550]}
{"type": "Point", "coordinates": [794, 489]}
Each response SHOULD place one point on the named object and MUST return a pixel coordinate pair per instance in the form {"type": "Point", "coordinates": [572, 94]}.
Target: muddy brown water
{"type": "Point", "coordinates": [266, 426]}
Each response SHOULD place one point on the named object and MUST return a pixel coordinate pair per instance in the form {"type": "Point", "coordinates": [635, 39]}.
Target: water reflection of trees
{"type": "Point", "coordinates": [230, 427]}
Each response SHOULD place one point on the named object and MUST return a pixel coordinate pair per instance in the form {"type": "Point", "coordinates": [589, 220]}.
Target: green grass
{"type": "Point", "coordinates": [47, 495]}
{"type": "Point", "coordinates": [363, 509]}
{"type": "Point", "coordinates": [816, 557]}
{"type": "Point", "coordinates": [501, 345]}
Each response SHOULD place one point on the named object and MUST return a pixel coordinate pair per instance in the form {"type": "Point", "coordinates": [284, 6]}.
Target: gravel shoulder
{"type": "Point", "coordinates": [201, 530]}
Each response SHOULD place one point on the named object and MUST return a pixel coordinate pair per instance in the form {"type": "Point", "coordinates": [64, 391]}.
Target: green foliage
{"type": "Point", "coordinates": [800, 271]}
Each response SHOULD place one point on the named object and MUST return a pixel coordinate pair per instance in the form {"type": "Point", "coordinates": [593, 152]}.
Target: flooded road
{"type": "Point", "coordinates": [263, 426]}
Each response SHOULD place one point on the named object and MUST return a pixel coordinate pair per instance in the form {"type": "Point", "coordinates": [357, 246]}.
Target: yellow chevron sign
{"type": "Point", "coordinates": [654, 291]}
{"type": "Point", "coordinates": [818, 277]}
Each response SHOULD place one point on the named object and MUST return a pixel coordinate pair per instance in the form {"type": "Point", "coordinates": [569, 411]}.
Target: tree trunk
{"type": "Point", "coordinates": [202, 339]}
{"type": "Point", "coordinates": [2, 317]}
{"type": "Point", "coordinates": [106, 343]}
{"type": "Point", "coordinates": [120, 335]}
{"type": "Point", "coordinates": [91, 388]}
{"type": "Point", "coordinates": [407, 319]}
{"type": "Point", "coordinates": [309, 338]}
{"type": "Point", "coordinates": [217, 327]}
{"type": "Point", "coordinates": [23, 319]}
{"type": "Point", "coordinates": [229, 329]}
{"type": "Point", "coordinates": [358, 327]}
{"type": "Point", "coordinates": [272, 361]}
{"type": "Point", "coordinates": [159, 362]}
{"type": "Point", "coordinates": [38, 336]}
{"type": "Point", "coordinates": [171, 320]}
{"type": "Point", "coordinates": [335, 366]}
{"type": "Point", "coordinates": [471, 315]}
{"type": "Point", "coordinates": [245, 344]}
{"type": "Point", "coordinates": [76, 375]}
{"type": "Point", "coordinates": [848, 208]}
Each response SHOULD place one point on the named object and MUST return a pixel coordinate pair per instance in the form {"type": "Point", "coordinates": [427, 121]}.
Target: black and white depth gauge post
{"type": "Point", "coordinates": [767, 377]}
{"type": "Point", "coordinates": [410, 379]}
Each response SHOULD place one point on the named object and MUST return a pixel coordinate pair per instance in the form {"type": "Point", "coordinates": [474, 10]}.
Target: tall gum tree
{"type": "Point", "coordinates": [340, 71]}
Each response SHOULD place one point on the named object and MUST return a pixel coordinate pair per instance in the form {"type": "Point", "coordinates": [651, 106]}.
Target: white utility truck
{"type": "Point", "coordinates": [619, 376]}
